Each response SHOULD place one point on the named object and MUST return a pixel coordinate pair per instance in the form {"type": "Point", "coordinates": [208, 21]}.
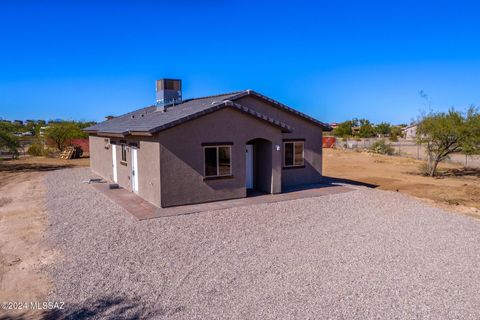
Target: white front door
{"type": "Point", "coordinates": [249, 166]}
{"type": "Point", "coordinates": [134, 170]}
{"type": "Point", "coordinates": [114, 162]}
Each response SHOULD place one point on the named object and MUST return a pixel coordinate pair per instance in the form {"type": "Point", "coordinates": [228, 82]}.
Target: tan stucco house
{"type": "Point", "coordinates": [206, 149]}
{"type": "Point", "coordinates": [410, 132]}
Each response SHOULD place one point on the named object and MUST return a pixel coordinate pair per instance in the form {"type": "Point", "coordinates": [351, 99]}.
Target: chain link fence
{"type": "Point", "coordinates": [406, 148]}
{"type": "Point", "coordinates": [24, 143]}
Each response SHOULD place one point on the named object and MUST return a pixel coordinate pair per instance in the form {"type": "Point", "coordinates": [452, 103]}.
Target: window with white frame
{"type": "Point", "coordinates": [217, 161]}
{"type": "Point", "coordinates": [293, 153]}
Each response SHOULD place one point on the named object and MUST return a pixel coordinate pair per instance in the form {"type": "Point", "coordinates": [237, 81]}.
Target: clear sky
{"type": "Point", "coordinates": [333, 60]}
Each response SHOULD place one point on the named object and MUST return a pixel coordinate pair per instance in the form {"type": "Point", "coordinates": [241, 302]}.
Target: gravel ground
{"type": "Point", "coordinates": [365, 254]}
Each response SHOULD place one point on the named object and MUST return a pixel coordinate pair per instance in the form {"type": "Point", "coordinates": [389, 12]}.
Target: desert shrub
{"type": "Point", "coordinates": [51, 152]}
{"type": "Point", "coordinates": [423, 169]}
{"type": "Point", "coordinates": [9, 142]}
{"type": "Point", "coordinates": [381, 147]}
{"type": "Point", "coordinates": [36, 150]}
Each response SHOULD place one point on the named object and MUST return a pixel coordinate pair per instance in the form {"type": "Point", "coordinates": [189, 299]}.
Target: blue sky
{"type": "Point", "coordinates": [334, 60]}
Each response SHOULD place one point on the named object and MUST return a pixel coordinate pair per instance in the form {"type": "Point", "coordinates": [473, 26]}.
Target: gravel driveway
{"type": "Point", "coordinates": [366, 254]}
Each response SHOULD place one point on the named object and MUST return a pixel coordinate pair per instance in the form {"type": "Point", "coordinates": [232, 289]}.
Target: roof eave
{"type": "Point", "coordinates": [111, 134]}
{"type": "Point", "coordinates": [141, 133]}
{"type": "Point", "coordinates": [118, 134]}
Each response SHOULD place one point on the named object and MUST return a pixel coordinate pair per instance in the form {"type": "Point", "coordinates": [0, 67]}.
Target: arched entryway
{"type": "Point", "coordinates": [258, 165]}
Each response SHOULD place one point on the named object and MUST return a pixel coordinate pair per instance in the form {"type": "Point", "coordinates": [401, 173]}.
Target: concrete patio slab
{"type": "Point", "coordinates": [143, 210]}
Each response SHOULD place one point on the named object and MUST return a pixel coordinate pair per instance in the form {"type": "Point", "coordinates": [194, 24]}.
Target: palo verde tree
{"type": "Point", "coordinates": [447, 133]}
{"type": "Point", "coordinates": [61, 133]}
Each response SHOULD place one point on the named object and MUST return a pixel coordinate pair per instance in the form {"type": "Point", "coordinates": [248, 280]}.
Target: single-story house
{"type": "Point", "coordinates": [410, 132]}
{"type": "Point", "coordinates": [212, 148]}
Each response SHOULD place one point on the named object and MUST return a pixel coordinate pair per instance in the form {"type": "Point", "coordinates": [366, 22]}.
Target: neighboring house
{"type": "Point", "coordinates": [206, 149]}
{"type": "Point", "coordinates": [43, 130]}
{"type": "Point", "coordinates": [410, 132]}
{"type": "Point", "coordinates": [355, 130]}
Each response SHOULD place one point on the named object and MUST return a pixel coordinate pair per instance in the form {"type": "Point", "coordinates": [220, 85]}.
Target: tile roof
{"type": "Point", "coordinates": [149, 120]}
{"type": "Point", "coordinates": [280, 105]}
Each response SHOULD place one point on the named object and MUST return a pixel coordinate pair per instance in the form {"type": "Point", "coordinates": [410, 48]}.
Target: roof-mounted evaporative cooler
{"type": "Point", "coordinates": [169, 93]}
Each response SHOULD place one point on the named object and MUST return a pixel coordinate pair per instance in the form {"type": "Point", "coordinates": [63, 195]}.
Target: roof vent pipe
{"type": "Point", "coordinates": [169, 93]}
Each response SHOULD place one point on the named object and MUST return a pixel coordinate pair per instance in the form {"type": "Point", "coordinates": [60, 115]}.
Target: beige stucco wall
{"type": "Point", "coordinates": [149, 170]}
{"type": "Point", "coordinates": [100, 157]}
{"type": "Point", "coordinates": [171, 163]}
{"type": "Point", "coordinates": [182, 160]}
{"type": "Point", "coordinates": [302, 129]}
{"type": "Point", "coordinates": [148, 164]}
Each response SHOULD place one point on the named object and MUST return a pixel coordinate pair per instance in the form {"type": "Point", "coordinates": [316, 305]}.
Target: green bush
{"type": "Point", "coordinates": [381, 147]}
{"type": "Point", "coordinates": [9, 142]}
{"type": "Point", "coordinates": [36, 150]}
{"type": "Point", "coordinates": [366, 129]}
{"type": "Point", "coordinates": [395, 133]}
{"type": "Point", "coordinates": [344, 129]}
{"type": "Point", "coordinates": [383, 128]}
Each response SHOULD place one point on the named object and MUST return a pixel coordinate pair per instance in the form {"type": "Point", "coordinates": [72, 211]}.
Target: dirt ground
{"type": "Point", "coordinates": [23, 221]}
{"type": "Point", "coordinates": [456, 189]}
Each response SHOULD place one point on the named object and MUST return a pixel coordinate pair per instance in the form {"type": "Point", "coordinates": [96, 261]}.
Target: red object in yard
{"type": "Point", "coordinates": [82, 143]}
{"type": "Point", "coordinates": [328, 142]}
